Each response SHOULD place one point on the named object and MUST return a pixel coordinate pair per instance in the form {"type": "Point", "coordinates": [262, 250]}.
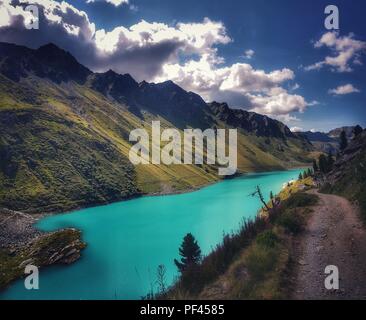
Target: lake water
{"type": "Point", "coordinates": [126, 241]}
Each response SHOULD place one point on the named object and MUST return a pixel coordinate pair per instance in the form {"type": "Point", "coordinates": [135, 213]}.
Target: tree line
{"type": "Point", "coordinates": [325, 163]}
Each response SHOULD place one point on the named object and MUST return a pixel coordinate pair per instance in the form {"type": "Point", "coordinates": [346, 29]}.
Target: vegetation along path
{"type": "Point", "coordinates": [334, 236]}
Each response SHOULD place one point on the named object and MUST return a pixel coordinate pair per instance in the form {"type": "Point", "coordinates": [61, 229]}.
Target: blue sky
{"type": "Point", "coordinates": [282, 35]}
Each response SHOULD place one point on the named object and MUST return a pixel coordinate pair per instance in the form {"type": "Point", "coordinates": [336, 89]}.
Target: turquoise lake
{"type": "Point", "coordinates": [126, 241]}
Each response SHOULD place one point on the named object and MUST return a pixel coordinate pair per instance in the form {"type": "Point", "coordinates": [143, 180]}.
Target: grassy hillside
{"type": "Point", "coordinates": [70, 149]}
{"type": "Point", "coordinates": [65, 146]}
{"type": "Point", "coordinates": [64, 141]}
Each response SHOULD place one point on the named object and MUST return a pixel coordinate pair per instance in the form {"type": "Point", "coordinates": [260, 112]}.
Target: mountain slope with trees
{"type": "Point", "coordinates": [348, 173]}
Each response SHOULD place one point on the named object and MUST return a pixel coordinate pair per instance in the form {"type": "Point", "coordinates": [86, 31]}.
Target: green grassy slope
{"type": "Point", "coordinates": [53, 163]}
{"type": "Point", "coordinates": [64, 145]}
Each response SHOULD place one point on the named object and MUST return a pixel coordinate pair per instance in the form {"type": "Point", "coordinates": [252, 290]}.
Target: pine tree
{"type": "Point", "coordinates": [330, 162]}
{"type": "Point", "coordinates": [271, 195]}
{"type": "Point", "coordinates": [315, 166]}
{"type": "Point", "coordinates": [343, 140]}
{"type": "Point", "coordinates": [323, 163]}
{"type": "Point", "coordinates": [310, 172]}
{"type": "Point", "coordinates": [190, 253]}
{"type": "Point", "coordinates": [300, 176]}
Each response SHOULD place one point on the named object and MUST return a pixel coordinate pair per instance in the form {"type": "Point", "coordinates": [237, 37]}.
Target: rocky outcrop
{"type": "Point", "coordinates": [348, 175]}
{"type": "Point", "coordinates": [344, 163]}
{"type": "Point", "coordinates": [21, 245]}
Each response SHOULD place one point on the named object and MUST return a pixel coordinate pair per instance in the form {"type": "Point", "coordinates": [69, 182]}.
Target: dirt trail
{"type": "Point", "coordinates": [334, 236]}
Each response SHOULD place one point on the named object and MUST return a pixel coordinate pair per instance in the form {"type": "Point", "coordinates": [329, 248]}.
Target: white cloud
{"type": "Point", "coordinates": [286, 118]}
{"type": "Point", "coordinates": [116, 3]}
{"type": "Point", "coordinates": [295, 87]}
{"type": "Point", "coordinates": [134, 8]}
{"type": "Point", "coordinates": [141, 49]}
{"type": "Point", "coordinates": [243, 78]}
{"type": "Point", "coordinates": [240, 84]}
{"type": "Point", "coordinates": [342, 90]}
{"type": "Point", "coordinates": [296, 129]}
{"type": "Point", "coordinates": [346, 51]}
{"type": "Point", "coordinates": [249, 54]}
{"type": "Point", "coordinates": [278, 103]}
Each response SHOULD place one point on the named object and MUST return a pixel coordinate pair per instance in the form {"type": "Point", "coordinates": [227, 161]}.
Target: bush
{"type": "Point", "coordinates": [267, 239]}
{"type": "Point", "coordinates": [300, 199]}
{"type": "Point", "coordinates": [291, 221]}
{"type": "Point", "coordinates": [260, 260]}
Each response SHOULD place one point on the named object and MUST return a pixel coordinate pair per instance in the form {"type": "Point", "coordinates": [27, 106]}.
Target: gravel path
{"type": "Point", "coordinates": [334, 236]}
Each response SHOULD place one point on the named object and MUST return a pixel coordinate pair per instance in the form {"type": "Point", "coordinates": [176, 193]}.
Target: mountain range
{"type": "Point", "coordinates": [64, 133]}
{"type": "Point", "coordinates": [328, 141]}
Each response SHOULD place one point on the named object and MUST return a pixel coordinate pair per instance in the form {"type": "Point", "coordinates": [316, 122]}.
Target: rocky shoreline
{"type": "Point", "coordinates": [21, 244]}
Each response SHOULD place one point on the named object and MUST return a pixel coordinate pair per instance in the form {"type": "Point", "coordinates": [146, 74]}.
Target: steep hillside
{"type": "Point", "coordinates": [64, 133]}
{"type": "Point", "coordinates": [349, 173]}
{"type": "Point", "coordinates": [322, 142]}
{"type": "Point", "coordinates": [328, 142]}
{"type": "Point", "coordinates": [335, 133]}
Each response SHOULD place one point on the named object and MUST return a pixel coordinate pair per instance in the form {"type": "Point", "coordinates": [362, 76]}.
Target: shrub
{"type": "Point", "coordinates": [267, 239]}
{"type": "Point", "coordinates": [300, 200]}
{"type": "Point", "coordinates": [291, 221]}
{"type": "Point", "coordinates": [260, 260]}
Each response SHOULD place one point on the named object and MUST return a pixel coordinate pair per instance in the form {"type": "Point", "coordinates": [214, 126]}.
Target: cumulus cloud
{"type": "Point", "coordinates": [295, 86]}
{"type": "Point", "coordinates": [116, 3]}
{"type": "Point", "coordinates": [346, 52]}
{"type": "Point", "coordinates": [239, 84]}
{"type": "Point", "coordinates": [141, 49]}
{"type": "Point", "coordinates": [249, 54]}
{"type": "Point", "coordinates": [184, 52]}
{"type": "Point", "coordinates": [296, 129]}
{"type": "Point", "coordinates": [342, 90]}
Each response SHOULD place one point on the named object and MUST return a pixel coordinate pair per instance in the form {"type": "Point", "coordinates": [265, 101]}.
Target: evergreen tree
{"type": "Point", "coordinates": [357, 130]}
{"type": "Point", "coordinates": [190, 253]}
{"type": "Point", "coordinates": [323, 163]}
{"type": "Point", "coordinates": [304, 175]}
{"type": "Point", "coordinates": [330, 162]}
{"type": "Point", "coordinates": [343, 140]}
{"type": "Point", "coordinates": [271, 195]}
{"type": "Point", "coordinates": [315, 166]}
{"type": "Point", "coordinates": [300, 176]}
{"type": "Point", "coordinates": [310, 172]}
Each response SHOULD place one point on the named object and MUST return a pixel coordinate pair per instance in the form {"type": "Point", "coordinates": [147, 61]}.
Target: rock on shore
{"type": "Point", "coordinates": [21, 244]}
